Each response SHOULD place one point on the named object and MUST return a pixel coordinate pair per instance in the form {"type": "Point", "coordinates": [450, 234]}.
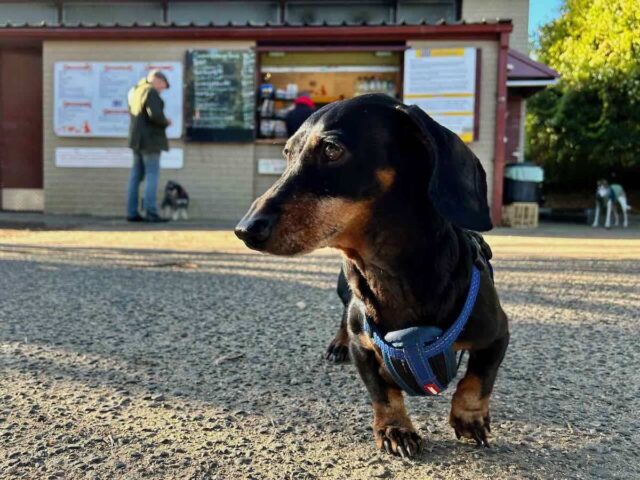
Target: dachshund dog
{"type": "Point", "coordinates": [608, 198]}
{"type": "Point", "coordinates": [395, 193]}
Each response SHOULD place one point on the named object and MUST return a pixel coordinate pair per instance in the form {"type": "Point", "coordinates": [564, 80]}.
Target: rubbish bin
{"type": "Point", "coordinates": [522, 183]}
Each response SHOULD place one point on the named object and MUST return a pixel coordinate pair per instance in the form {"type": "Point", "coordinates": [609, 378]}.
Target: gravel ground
{"type": "Point", "coordinates": [182, 355]}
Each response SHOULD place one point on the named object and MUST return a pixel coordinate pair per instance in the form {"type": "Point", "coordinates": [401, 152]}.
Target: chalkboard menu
{"type": "Point", "coordinates": [220, 95]}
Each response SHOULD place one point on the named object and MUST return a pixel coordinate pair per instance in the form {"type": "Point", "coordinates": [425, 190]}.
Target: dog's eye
{"type": "Point", "coordinates": [333, 152]}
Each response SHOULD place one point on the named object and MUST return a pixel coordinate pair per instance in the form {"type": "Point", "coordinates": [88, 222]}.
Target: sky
{"type": "Point", "coordinates": [540, 12]}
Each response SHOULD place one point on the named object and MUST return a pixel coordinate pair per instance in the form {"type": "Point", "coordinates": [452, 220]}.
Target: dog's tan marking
{"type": "Point", "coordinates": [342, 337]}
{"type": "Point", "coordinates": [457, 346]}
{"type": "Point", "coordinates": [386, 177]}
{"type": "Point", "coordinates": [366, 342]}
{"type": "Point", "coordinates": [390, 414]}
{"type": "Point", "coordinates": [352, 239]}
{"type": "Point", "coordinates": [467, 404]}
{"type": "Point", "coordinates": [309, 222]}
{"type": "Point", "coordinates": [393, 412]}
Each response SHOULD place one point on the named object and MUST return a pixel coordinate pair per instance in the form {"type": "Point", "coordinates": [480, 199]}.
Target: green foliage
{"type": "Point", "coordinates": [589, 124]}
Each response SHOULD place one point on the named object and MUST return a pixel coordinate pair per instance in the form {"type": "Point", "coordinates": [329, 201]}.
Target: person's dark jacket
{"type": "Point", "coordinates": [296, 117]}
{"type": "Point", "coordinates": [148, 123]}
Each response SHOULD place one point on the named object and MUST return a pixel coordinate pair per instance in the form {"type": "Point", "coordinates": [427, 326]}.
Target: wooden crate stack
{"type": "Point", "coordinates": [520, 215]}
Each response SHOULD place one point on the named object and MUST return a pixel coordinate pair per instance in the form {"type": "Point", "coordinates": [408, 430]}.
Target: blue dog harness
{"type": "Point", "coordinates": [421, 360]}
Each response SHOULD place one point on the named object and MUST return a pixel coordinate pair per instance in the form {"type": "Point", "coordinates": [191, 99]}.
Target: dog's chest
{"type": "Point", "coordinates": [388, 299]}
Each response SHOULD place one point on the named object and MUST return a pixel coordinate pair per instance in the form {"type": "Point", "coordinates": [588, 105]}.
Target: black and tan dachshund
{"type": "Point", "coordinates": [395, 192]}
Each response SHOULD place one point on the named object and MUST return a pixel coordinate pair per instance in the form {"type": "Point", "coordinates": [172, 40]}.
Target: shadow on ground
{"type": "Point", "coordinates": [163, 364]}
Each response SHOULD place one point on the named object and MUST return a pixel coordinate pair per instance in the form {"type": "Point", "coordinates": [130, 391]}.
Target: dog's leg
{"type": "Point", "coordinates": [614, 210]}
{"type": "Point", "coordinates": [624, 206]}
{"type": "Point", "coordinates": [470, 404]}
{"type": "Point", "coordinates": [392, 427]}
{"type": "Point", "coordinates": [185, 215]}
{"type": "Point", "coordinates": [338, 349]}
{"type": "Point", "coordinates": [607, 218]}
{"type": "Point", "coordinates": [597, 214]}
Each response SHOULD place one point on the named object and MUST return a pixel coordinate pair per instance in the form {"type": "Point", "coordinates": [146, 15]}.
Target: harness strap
{"type": "Point", "coordinates": [455, 330]}
{"type": "Point", "coordinates": [416, 356]}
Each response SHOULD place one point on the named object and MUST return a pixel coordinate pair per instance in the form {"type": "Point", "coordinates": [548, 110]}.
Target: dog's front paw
{"type": "Point", "coordinates": [338, 349]}
{"type": "Point", "coordinates": [400, 441]}
{"type": "Point", "coordinates": [473, 424]}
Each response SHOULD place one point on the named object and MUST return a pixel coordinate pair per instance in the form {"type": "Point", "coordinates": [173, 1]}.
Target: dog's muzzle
{"type": "Point", "coordinates": [255, 230]}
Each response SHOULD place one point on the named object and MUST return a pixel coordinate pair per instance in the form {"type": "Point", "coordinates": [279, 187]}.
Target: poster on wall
{"type": "Point", "coordinates": [271, 166]}
{"type": "Point", "coordinates": [220, 95]}
{"type": "Point", "coordinates": [90, 98]}
{"type": "Point", "coordinates": [442, 81]}
{"type": "Point", "coordinates": [116, 157]}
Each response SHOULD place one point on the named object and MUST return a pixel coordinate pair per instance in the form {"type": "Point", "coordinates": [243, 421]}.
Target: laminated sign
{"type": "Point", "coordinates": [442, 81]}
{"type": "Point", "coordinates": [90, 98]}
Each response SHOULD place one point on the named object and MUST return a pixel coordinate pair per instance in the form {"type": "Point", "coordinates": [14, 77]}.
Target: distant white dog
{"type": "Point", "coordinates": [607, 196]}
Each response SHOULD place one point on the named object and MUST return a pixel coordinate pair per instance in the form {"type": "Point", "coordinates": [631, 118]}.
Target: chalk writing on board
{"type": "Point", "coordinates": [221, 89]}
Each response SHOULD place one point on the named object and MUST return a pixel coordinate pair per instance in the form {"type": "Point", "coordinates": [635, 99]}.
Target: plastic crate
{"type": "Point", "coordinates": [520, 215]}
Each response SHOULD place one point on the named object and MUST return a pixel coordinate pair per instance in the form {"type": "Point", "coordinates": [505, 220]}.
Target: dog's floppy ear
{"type": "Point", "coordinates": [458, 184]}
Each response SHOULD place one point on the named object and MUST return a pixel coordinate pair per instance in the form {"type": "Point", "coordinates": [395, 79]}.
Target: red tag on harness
{"type": "Point", "coordinates": [432, 388]}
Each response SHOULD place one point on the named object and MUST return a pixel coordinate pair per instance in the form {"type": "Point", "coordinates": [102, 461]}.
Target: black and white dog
{"type": "Point", "coordinates": [608, 198]}
{"type": "Point", "coordinates": [176, 201]}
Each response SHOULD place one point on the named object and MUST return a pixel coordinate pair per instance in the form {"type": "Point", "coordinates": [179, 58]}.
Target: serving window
{"type": "Point", "coordinates": [293, 78]}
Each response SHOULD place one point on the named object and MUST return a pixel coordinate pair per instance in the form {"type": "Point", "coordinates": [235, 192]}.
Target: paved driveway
{"type": "Point", "coordinates": [179, 354]}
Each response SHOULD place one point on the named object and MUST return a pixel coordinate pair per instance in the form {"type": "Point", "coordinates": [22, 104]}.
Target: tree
{"type": "Point", "coordinates": [588, 125]}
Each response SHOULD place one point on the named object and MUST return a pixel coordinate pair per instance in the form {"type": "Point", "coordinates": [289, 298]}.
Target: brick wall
{"type": "Point", "coordinates": [218, 177]}
{"type": "Point", "coordinates": [262, 183]}
{"type": "Point", "coordinates": [516, 10]}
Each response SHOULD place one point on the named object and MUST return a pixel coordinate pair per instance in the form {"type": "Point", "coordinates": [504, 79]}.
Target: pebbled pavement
{"type": "Point", "coordinates": [155, 354]}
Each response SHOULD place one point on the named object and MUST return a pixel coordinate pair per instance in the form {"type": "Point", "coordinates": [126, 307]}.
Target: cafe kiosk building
{"type": "Point", "coordinates": [333, 49]}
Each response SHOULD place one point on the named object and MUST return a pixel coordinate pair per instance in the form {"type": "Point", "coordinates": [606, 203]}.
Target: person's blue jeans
{"type": "Point", "coordinates": [146, 166]}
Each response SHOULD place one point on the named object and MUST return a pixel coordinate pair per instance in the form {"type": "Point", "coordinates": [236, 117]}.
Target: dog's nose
{"type": "Point", "coordinates": [256, 229]}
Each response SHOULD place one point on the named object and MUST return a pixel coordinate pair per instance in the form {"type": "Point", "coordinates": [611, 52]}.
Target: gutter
{"type": "Point", "coordinates": [351, 33]}
{"type": "Point", "coordinates": [531, 83]}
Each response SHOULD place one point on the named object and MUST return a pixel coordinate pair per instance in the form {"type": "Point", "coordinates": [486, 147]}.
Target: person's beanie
{"type": "Point", "coordinates": [305, 100]}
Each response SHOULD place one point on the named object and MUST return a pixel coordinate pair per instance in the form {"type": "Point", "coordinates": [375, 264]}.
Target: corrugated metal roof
{"type": "Point", "coordinates": [212, 24]}
{"type": "Point", "coordinates": [521, 67]}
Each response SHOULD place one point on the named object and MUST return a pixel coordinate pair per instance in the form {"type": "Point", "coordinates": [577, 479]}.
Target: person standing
{"type": "Point", "coordinates": [147, 139]}
{"type": "Point", "coordinates": [303, 108]}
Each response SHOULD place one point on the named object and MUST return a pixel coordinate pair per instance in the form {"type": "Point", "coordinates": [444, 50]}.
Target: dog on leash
{"type": "Point", "coordinates": [175, 204]}
{"type": "Point", "coordinates": [610, 197]}
{"type": "Point", "coordinates": [397, 194]}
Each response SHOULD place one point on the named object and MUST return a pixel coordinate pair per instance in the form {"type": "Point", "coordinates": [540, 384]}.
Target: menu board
{"type": "Point", "coordinates": [220, 95]}
{"type": "Point", "coordinates": [442, 81]}
{"type": "Point", "coordinates": [90, 98]}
